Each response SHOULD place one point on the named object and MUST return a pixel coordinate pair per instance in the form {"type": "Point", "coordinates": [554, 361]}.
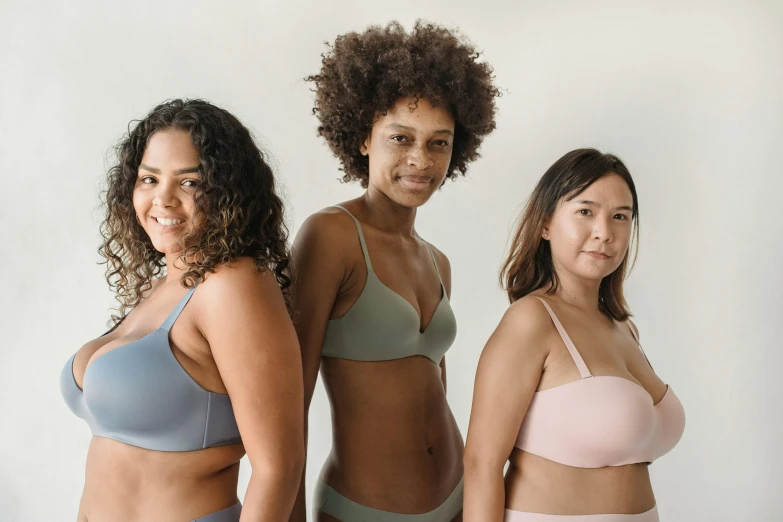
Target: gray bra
{"type": "Point", "coordinates": [139, 394]}
{"type": "Point", "coordinates": [382, 325]}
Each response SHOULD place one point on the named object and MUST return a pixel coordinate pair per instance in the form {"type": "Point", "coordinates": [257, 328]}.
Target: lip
{"type": "Point", "coordinates": [154, 219]}
{"type": "Point", "coordinates": [416, 182]}
{"type": "Point", "coordinates": [595, 254]}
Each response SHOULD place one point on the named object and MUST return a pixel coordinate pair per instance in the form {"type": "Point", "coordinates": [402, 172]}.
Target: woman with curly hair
{"type": "Point", "coordinates": [403, 112]}
{"type": "Point", "coordinates": [564, 392]}
{"type": "Point", "coordinates": [202, 363]}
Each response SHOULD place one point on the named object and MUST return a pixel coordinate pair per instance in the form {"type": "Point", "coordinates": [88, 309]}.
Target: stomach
{"type": "Point", "coordinates": [538, 485]}
{"type": "Point", "coordinates": [395, 443]}
{"type": "Point", "coordinates": [130, 484]}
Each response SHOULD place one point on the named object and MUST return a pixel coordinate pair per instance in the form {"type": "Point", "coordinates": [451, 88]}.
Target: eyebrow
{"type": "Point", "coordinates": [187, 170]}
{"type": "Point", "coordinates": [411, 129]}
{"type": "Point", "coordinates": [588, 202]}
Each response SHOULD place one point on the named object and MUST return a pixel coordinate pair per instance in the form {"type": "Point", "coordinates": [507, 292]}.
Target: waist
{"type": "Point", "coordinates": [414, 486]}
{"type": "Point", "coordinates": [535, 484]}
{"type": "Point", "coordinates": [123, 482]}
{"type": "Point", "coordinates": [143, 471]}
{"type": "Point", "coordinates": [390, 427]}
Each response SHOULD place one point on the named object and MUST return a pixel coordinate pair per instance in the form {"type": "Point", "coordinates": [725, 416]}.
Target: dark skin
{"type": "Point", "coordinates": [396, 446]}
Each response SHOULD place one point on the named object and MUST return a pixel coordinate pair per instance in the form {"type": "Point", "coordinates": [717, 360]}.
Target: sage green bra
{"type": "Point", "coordinates": [383, 326]}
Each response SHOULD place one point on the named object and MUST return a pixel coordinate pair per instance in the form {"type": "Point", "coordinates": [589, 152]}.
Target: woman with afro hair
{"type": "Point", "coordinates": [201, 364]}
{"type": "Point", "coordinates": [403, 112]}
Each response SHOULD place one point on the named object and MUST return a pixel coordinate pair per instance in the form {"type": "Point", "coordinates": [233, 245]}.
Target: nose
{"type": "Point", "coordinates": [420, 158]}
{"type": "Point", "coordinates": [602, 231]}
{"type": "Point", "coordinates": [166, 194]}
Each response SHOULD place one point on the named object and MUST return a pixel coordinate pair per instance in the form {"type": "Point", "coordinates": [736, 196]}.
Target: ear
{"type": "Point", "coordinates": [364, 147]}
{"type": "Point", "coordinates": [545, 230]}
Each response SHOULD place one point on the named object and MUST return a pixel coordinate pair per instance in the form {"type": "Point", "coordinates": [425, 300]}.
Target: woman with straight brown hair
{"type": "Point", "coordinates": [563, 390]}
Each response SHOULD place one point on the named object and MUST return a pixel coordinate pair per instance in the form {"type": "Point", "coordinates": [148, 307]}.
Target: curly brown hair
{"type": "Point", "coordinates": [237, 208]}
{"type": "Point", "coordinates": [364, 74]}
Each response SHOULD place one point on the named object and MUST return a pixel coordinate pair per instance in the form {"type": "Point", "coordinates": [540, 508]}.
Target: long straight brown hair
{"type": "Point", "coordinates": [529, 266]}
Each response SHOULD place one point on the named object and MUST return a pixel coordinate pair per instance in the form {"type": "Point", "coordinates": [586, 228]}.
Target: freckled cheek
{"type": "Point", "coordinates": [387, 162]}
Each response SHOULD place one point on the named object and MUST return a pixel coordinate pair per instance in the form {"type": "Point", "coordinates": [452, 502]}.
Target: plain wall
{"type": "Point", "coordinates": [688, 94]}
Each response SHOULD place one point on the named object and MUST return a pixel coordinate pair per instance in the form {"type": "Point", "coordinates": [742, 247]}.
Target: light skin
{"type": "Point", "coordinates": [526, 354]}
{"type": "Point", "coordinates": [397, 405]}
{"type": "Point", "coordinates": [234, 337]}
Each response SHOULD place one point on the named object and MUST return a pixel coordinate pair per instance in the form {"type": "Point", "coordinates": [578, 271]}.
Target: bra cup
{"type": "Point", "coordinates": [382, 326]}
{"type": "Point", "coordinates": [139, 394]}
{"type": "Point", "coordinates": [439, 338]}
{"type": "Point", "coordinates": [671, 423]}
{"type": "Point", "coordinates": [594, 422]}
{"type": "Point", "coordinates": [71, 393]}
{"type": "Point", "coordinates": [142, 392]}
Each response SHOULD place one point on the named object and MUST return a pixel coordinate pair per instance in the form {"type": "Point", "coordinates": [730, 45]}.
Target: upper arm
{"type": "Point", "coordinates": [508, 373]}
{"type": "Point", "coordinates": [318, 270]}
{"type": "Point", "coordinates": [243, 317]}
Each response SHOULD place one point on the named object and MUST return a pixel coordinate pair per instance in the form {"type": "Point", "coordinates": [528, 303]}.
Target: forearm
{"type": "Point", "coordinates": [299, 513]}
{"type": "Point", "coordinates": [271, 493]}
{"type": "Point", "coordinates": [484, 493]}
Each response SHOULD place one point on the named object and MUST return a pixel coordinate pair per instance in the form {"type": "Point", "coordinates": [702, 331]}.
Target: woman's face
{"type": "Point", "coordinates": [589, 235]}
{"type": "Point", "coordinates": [163, 194]}
{"type": "Point", "coordinates": [410, 151]}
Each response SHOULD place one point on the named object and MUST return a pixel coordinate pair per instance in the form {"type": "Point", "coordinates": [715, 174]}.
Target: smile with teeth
{"type": "Point", "coordinates": [168, 222]}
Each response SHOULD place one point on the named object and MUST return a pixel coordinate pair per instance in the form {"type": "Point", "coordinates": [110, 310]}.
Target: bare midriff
{"type": "Point", "coordinates": [131, 484]}
{"type": "Point", "coordinates": [537, 485]}
{"type": "Point", "coordinates": [395, 444]}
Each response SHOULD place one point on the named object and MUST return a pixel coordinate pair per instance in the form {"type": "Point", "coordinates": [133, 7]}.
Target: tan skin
{"type": "Point", "coordinates": [396, 446]}
{"type": "Point", "coordinates": [526, 354]}
{"type": "Point", "coordinates": [234, 336]}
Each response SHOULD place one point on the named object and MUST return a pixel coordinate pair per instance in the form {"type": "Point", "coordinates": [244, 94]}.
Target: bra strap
{"type": "Point", "coordinates": [580, 363]}
{"type": "Point", "coordinates": [169, 322]}
{"type": "Point", "coordinates": [432, 255]}
{"type": "Point", "coordinates": [361, 236]}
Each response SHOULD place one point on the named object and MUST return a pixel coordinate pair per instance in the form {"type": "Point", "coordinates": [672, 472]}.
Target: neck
{"type": "Point", "coordinates": [175, 268]}
{"type": "Point", "coordinates": [384, 214]}
{"type": "Point", "coordinates": [577, 291]}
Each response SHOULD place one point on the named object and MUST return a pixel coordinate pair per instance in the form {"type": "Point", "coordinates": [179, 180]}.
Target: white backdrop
{"type": "Point", "coordinates": [687, 94]}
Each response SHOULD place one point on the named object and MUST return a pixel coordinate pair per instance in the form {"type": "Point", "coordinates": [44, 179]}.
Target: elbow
{"type": "Point", "coordinates": [286, 470]}
{"type": "Point", "coordinates": [477, 463]}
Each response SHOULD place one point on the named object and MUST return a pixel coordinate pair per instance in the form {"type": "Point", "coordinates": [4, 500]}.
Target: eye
{"type": "Point", "coordinates": [442, 143]}
{"type": "Point", "coordinates": [147, 180]}
{"type": "Point", "coordinates": [585, 211]}
{"type": "Point", "coordinates": [190, 183]}
{"type": "Point", "coordinates": [398, 138]}
{"type": "Point", "coordinates": [621, 217]}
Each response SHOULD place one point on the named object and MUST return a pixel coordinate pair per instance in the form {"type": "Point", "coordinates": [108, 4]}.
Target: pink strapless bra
{"type": "Point", "coordinates": [599, 421]}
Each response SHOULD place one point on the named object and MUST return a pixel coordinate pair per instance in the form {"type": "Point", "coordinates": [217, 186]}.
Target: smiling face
{"type": "Point", "coordinates": [589, 235]}
{"type": "Point", "coordinates": [410, 151]}
{"type": "Point", "coordinates": [164, 189]}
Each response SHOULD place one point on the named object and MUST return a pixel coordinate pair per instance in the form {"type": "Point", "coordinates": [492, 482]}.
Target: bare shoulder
{"type": "Point", "coordinates": [524, 328]}
{"type": "Point", "coordinates": [328, 226]}
{"type": "Point", "coordinates": [633, 327]}
{"type": "Point", "coordinates": [441, 259]}
{"type": "Point", "coordinates": [237, 280]}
